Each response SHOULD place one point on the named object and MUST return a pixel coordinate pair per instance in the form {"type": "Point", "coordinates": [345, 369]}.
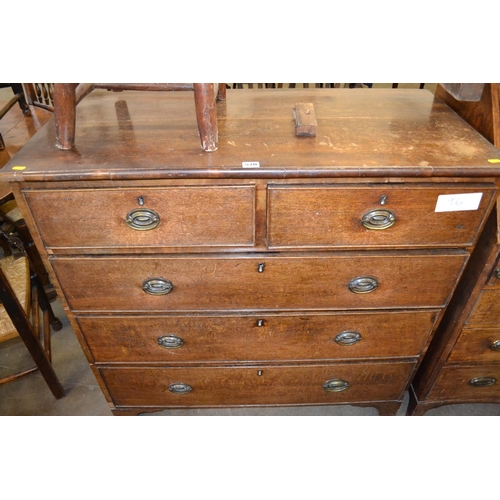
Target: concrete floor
{"type": "Point", "coordinates": [30, 395]}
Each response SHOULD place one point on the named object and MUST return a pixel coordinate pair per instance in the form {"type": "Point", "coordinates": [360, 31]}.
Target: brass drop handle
{"type": "Point", "coordinates": [495, 346]}
{"type": "Point", "coordinates": [378, 219]}
{"type": "Point", "coordinates": [483, 381]}
{"type": "Point", "coordinates": [180, 388]}
{"type": "Point", "coordinates": [348, 338]}
{"type": "Point", "coordinates": [157, 286]}
{"type": "Point", "coordinates": [170, 341]}
{"type": "Point", "coordinates": [142, 219]}
{"type": "Point", "coordinates": [363, 284]}
{"type": "Point", "coordinates": [335, 385]}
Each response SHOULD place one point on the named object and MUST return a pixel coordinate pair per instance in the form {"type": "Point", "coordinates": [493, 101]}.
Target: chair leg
{"type": "Point", "coordinates": [65, 114]}
{"type": "Point", "coordinates": [27, 334]}
{"type": "Point", "coordinates": [206, 115]}
{"type": "Point", "coordinates": [35, 258]}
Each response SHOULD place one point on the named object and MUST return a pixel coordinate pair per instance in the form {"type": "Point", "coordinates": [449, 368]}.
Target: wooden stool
{"type": "Point", "coordinates": [68, 95]}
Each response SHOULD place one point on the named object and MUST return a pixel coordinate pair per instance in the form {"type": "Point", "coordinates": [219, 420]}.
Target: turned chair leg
{"type": "Point", "coordinates": [65, 114]}
{"type": "Point", "coordinates": [206, 115]}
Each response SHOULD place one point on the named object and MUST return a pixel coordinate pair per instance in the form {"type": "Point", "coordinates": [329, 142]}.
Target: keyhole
{"type": "Point", "coordinates": [259, 373]}
{"type": "Point", "coordinates": [383, 199]}
{"type": "Point", "coordinates": [140, 200]}
{"type": "Point", "coordinates": [260, 322]}
{"type": "Point", "coordinates": [261, 268]}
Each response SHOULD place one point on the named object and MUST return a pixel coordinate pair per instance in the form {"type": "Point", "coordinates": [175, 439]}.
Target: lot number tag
{"type": "Point", "coordinates": [458, 202]}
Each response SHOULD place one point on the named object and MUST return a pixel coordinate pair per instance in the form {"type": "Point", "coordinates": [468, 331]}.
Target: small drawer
{"type": "Point", "coordinates": [482, 345]}
{"type": "Point", "coordinates": [372, 216]}
{"type": "Point", "coordinates": [486, 312]}
{"type": "Point", "coordinates": [481, 383]}
{"type": "Point", "coordinates": [327, 281]}
{"type": "Point", "coordinates": [257, 385]}
{"type": "Point", "coordinates": [180, 216]}
{"type": "Point", "coordinates": [191, 339]}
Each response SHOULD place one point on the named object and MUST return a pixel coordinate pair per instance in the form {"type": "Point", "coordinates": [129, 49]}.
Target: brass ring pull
{"type": "Point", "coordinates": [180, 388]}
{"type": "Point", "coordinates": [348, 338]}
{"type": "Point", "coordinates": [336, 385]}
{"type": "Point", "coordinates": [157, 286]}
{"type": "Point", "coordinates": [363, 284]}
{"type": "Point", "coordinates": [495, 346]}
{"type": "Point", "coordinates": [170, 341]}
{"type": "Point", "coordinates": [142, 219]}
{"type": "Point", "coordinates": [483, 381]}
{"type": "Point", "coordinates": [378, 219]}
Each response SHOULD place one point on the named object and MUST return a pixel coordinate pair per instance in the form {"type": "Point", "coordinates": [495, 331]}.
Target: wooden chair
{"type": "Point", "coordinates": [68, 95]}
{"type": "Point", "coordinates": [18, 97]}
{"type": "Point", "coordinates": [25, 310]}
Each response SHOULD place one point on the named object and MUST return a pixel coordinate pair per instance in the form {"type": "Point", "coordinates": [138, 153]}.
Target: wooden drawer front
{"type": "Point", "coordinates": [477, 345]}
{"type": "Point", "coordinates": [486, 312]}
{"type": "Point", "coordinates": [332, 216]}
{"type": "Point", "coordinates": [181, 339]}
{"type": "Point", "coordinates": [258, 385]}
{"type": "Point", "coordinates": [454, 383]}
{"type": "Point", "coordinates": [189, 216]}
{"type": "Point", "coordinates": [300, 282]}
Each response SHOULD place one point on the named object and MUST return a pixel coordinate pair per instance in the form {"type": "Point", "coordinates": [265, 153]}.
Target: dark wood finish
{"type": "Point", "coordinates": [242, 238]}
{"type": "Point", "coordinates": [305, 119]}
{"type": "Point", "coordinates": [256, 385]}
{"type": "Point", "coordinates": [236, 338]}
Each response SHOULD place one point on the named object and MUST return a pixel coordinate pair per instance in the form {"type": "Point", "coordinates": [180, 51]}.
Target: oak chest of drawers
{"type": "Point", "coordinates": [278, 270]}
{"type": "Point", "coordinates": [463, 364]}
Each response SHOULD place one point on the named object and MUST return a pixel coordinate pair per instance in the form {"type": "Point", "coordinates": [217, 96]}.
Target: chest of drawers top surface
{"type": "Point", "coordinates": [360, 133]}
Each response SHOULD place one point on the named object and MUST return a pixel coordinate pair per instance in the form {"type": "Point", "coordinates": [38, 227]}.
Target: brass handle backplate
{"type": "Point", "coordinates": [348, 338]}
{"type": "Point", "coordinates": [180, 388]}
{"type": "Point", "coordinates": [170, 341]}
{"type": "Point", "coordinates": [363, 284]}
{"type": "Point", "coordinates": [483, 381]}
{"type": "Point", "coordinates": [157, 286]}
{"type": "Point", "coordinates": [495, 346]}
{"type": "Point", "coordinates": [142, 219]}
{"type": "Point", "coordinates": [378, 219]}
{"type": "Point", "coordinates": [336, 385]}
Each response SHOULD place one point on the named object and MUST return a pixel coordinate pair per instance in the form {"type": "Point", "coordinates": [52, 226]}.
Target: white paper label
{"type": "Point", "coordinates": [250, 164]}
{"type": "Point", "coordinates": [458, 202]}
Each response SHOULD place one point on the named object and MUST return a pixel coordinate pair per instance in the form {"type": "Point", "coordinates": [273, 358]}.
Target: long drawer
{"type": "Point", "coordinates": [181, 216]}
{"type": "Point", "coordinates": [329, 281]}
{"type": "Point", "coordinates": [182, 339]}
{"type": "Point", "coordinates": [375, 215]}
{"type": "Point", "coordinates": [257, 385]}
{"type": "Point", "coordinates": [467, 383]}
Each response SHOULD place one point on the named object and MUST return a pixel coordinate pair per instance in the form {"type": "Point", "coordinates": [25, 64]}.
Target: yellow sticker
{"type": "Point", "coordinates": [18, 168]}
{"type": "Point", "coordinates": [494, 160]}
